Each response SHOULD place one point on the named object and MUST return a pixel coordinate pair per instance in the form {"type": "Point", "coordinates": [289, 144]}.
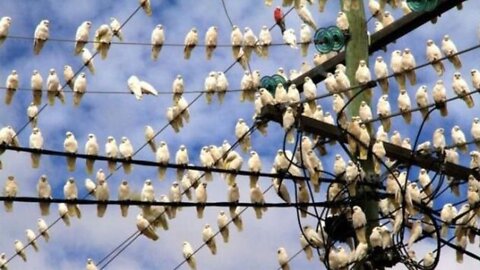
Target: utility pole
{"type": "Point", "coordinates": [356, 50]}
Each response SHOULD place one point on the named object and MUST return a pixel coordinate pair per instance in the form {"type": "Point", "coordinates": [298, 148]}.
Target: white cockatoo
{"type": "Point", "coordinates": [342, 21]}
{"type": "Point", "coordinates": [63, 213]}
{"type": "Point", "coordinates": [11, 86]}
{"type": "Point", "coordinates": [387, 18]}
{"type": "Point", "coordinates": [458, 138]}
{"type": "Point", "coordinates": [157, 39]}
{"type": "Point", "coordinates": [306, 16]}
{"type": "Point", "coordinates": [111, 151]}
{"type": "Point", "coordinates": [70, 145]}
{"type": "Point", "coordinates": [475, 131]}
{"type": "Point", "coordinates": [208, 238]}
{"type": "Point", "coordinates": [422, 100]}
{"type": "Point", "coordinates": [282, 258]}
{"type": "Point", "coordinates": [79, 88]}
{"type": "Point", "coordinates": [359, 224]}
{"type": "Point", "coordinates": [191, 40]}
{"type": "Point", "coordinates": [90, 265]}
{"type": "Point", "coordinates": [211, 39]}
{"type": "Point", "coordinates": [290, 38]}
{"type": "Point", "coordinates": [36, 83]}
{"type": "Point", "coordinates": [68, 76]}
{"type": "Point", "coordinates": [87, 59]}
{"type": "Point", "coordinates": [31, 238]}
{"type": "Point", "coordinates": [116, 27]}
{"type": "Point", "coordinates": [162, 157]}
{"type": "Point", "coordinates": [149, 134]}
{"type": "Point", "coordinates": [396, 64]}
{"type": "Point", "coordinates": [70, 192]}
{"type": "Point", "coordinates": [187, 252]}
{"type": "Point", "coordinates": [210, 86]}
{"type": "Point", "coordinates": [145, 228]}
{"type": "Point", "coordinates": [450, 50]}
{"type": "Point", "coordinates": [138, 87]}
{"type": "Point", "coordinates": [81, 36]}
{"type": "Point", "coordinates": [405, 105]}
{"type": "Point", "coordinates": [236, 38]}
{"type": "Point", "coordinates": [201, 198]}
{"type": "Point", "coordinates": [43, 229]}
{"type": "Point", "coordinates": [257, 198]}
{"type": "Point", "coordinates": [264, 41]}
{"type": "Point", "coordinates": [146, 6]}
{"type": "Point", "coordinates": [448, 213]}
{"type": "Point", "coordinates": [124, 195]}
{"type": "Point", "coordinates": [222, 223]}
{"type": "Point", "coordinates": [44, 191]}
{"type": "Point", "coordinates": [5, 23]}
{"type": "Point", "coordinates": [249, 42]}
{"type": "Point", "coordinates": [461, 88]}
{"type": "Point", "coordinates": [53, 84]}
{"type": "Point", "coordinates": [91, 149]}
{"type": "Point", "coordinates": [408, 66]}
{"type": "Point", "coordinates": [10, 190]}
{"type": "Point", "coordinates": [102, 194]}
{"type": "Point", "coordinates": [40, 36]}
{"type": "Point", "coordinates": [102, 40]}
{"type": "Point", "coordinates": [384, 111]}
{"type": "Point", "coordinates": [439, 94]}
{"type": "Point", "coordinates": [434, 54]}
{"type": "Point", "coordinates": [36, 142]}
{"type": "Point", "coordinates": [255, 166]}
{"type": "Point", "coordinates": [148, 191]}
{"type": "Point", "coordinates": [20, 250]}
{"type": "Point", "coordinates": [125, 149]}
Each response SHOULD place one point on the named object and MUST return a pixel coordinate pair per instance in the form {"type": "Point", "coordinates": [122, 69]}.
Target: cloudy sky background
{"type": "Point", "coordinates": [121, 115]}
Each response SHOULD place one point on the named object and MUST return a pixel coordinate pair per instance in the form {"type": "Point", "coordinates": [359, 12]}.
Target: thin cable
{"type": "Point", "coordinates": [226, 13]}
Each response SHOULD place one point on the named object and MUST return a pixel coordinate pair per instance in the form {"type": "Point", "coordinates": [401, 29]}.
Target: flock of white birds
{"type": "Point", "coordinates": [402, 67]}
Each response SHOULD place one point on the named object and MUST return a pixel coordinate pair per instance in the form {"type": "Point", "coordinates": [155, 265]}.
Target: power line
{"type": "Point", "coordinates": [156, 164]}
{"type": "Point", "coordinates": [137, 43]}
{"type": "Point", "coordinates": [159, 203]}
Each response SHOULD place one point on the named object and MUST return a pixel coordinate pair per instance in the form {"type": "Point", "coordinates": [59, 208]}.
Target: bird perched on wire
{"type": "Point", "coordinates": [211, 37]}
{"type": "Point", "coordinates": [116, 27]}
{"type": "Point", "coordinates": [157, 40]}
{"type": "Point", "coordinates": [36, 83]}
{"type": "Point", "coordinates": [11, 85]}
{"type": "Point", "coordinates": [439, 94]}
{"type": "Point", "coordinates": [279, 18]}
{"type": "Point", "coordinates": [191, 40]}
{"type": "Point", "coordinates": [145, 4]}
{"type": "Point", "coordinates": [40, 36]}
{"type": "Point", "coordinates": [5, 23]}
{"type": "Point", "coordinates": [79, 88]}
{"type": "Point", "coordinates": [433, 56]}
{"type": "Point", "coordinates": [450, 50]}
{"type": "Point", "coordinates": [70, 145]}
{"type": "Point", "coordinates": [461, 88]}
{"type": "Point", "coordinates": [126, 151]}
{"type": "Point", "coordinates": [36, 142]}
{"type": "Point", "coordinates": [102, 40]}
{"type": "Point", "coordinates": [81, 36]}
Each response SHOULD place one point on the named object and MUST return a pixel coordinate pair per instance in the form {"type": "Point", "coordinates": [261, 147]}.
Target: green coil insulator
{"type": "Point", "coordinates": [431, 5]}
{"type": "Point", "coordinates": [269, 83]}
{"type": "Point", "coordinates": [323, 40]}
{"type": "Point", "coordinates": [338, 38]}
{"type": "Point", "coordinates": [422, 5]}
{"type": "Point", "coordinates": [279, 79]}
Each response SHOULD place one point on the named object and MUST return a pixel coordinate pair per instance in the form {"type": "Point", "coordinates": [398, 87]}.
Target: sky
{"type": "Point", "coordinates": [119, 114]}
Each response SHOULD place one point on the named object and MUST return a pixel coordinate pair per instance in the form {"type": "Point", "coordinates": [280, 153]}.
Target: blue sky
{"type": "Point", "coordinates": [121, 115]}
